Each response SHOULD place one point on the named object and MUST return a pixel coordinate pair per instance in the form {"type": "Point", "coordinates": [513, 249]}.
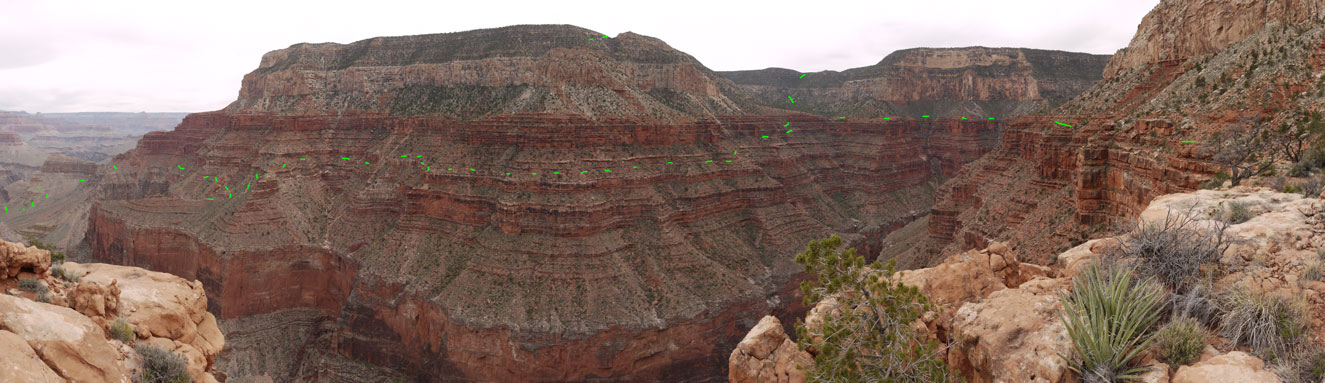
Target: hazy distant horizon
{"type": "Point", "coordinates": [177, 57]}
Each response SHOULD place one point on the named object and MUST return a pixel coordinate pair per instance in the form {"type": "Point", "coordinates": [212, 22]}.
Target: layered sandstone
{"type": "Point", "coordinates": [1047, 186]}
{"type": "Point", "coordinates": [973, 82]}
{"type": "Point", "coordinates": [618, 266]}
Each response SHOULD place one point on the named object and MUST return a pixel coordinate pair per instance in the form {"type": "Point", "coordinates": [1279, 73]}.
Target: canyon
{"type": "Point", "coordinates": [526, 204]}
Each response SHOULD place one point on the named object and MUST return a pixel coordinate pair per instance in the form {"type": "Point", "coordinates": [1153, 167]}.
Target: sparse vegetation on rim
{"type": "Point", "coordinates": [161, 366]}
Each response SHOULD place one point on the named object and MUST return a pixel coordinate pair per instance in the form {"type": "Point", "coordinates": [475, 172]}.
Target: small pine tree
{"type": "Point", "coordinates": [871, 340]}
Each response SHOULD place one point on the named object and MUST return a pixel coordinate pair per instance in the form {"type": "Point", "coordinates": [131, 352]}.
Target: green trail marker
{"type": "Point", "coordinates": [246, 186]}
{"type": "Point", "coordinates": [181, 167]}
{"type": "Point", "coordinates": [634, 167]}
{"type": "Point", "coordinates": [345, 158]}
{"type": "Point", "coordinates": [789, 131]}
{"type": "Point", "coordinates": [113, 167]}
{"type": "Point", "coordinates": [366, 163]}
{"type": "Point", "coordinates": [472, 170]}
{"type": "Point", "coordinates": [708, 161]}
{"type": "Point", "coordinates": [303, 159]}
{"type": "Point", "coordinates": [255, 176]}
{"type": "Point", "coordinates": [404, 155]}
{"type": "Point", "coordinates": [34, 204]}
{"type": "Point", "coordinates": [669, 162]}
{"type": "Point", "coordinates": [6, 208]}
{"type": "Point", "coordinates": [450, 169]}
{"type": "Point", "coordinates": [82, 180]}
{"type": "Point", "coordinates": [204, 177]}
{"type": "Point", "coordinates": [963, 118]}
{"type": "Point", "coordinates": [1188, 142]}
{"type": "Point", "coordinates": [786, 124]}
{"type": "Point", "coordinates": [734, 152]}
{"type": "Point", "coordinates": [508, 174]}
{"type": "Point", "coordinates": [227, 188]}
{"type": "Point", "coordinates": [765, 136]}
{"type": "Point", "coordinates": [729, 160]}
{"type": "Point", "coordinates": [48, 196]}
{"type": "Point", "coordinates": [991, 118]}
{"type": "Point", "coordinates": [231, 196]}
{"type": "Point", "coordinates": [1059, 123]}
{"type": "Point", "coordinates": [534, 173]}
{"type": "Point", "coordinates": [211, 199]}
{"type": "Point", "coordinates": [793, 101]}
{"type": "Point", "coordinates": [283, 165]}
{"type": "Point", "coordinates": [802, 75]}
{"type": "Point", "coordinates": [427, 168]}
{"type": "Point", "coordinates": [584, 172]}
{"type": "Point", "coordinates": [419, 156]}
{"type": "Point", "coordinates": [925, 116]}
{"type": "Point", "coordinates": [556, 172]}
{"type": "Point", "coordinates": [841, 118]}
{"type": "Point", "coordinates": [887, 118]}
{"type": "Point", "coordinates": [607, 170]}
{"type": "Point", "coordinates": [39, 188]}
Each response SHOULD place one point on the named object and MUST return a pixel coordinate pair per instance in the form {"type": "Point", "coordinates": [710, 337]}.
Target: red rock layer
{"type": "Point", "coordinates": [450, 274]}
{"type": "Point", "coordinates": [1194, 68]}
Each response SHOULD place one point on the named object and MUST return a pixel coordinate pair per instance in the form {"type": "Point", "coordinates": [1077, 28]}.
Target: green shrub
{"type": "Point", "coordinates": [29, 284]}
{"type": "Point", "coordinates": [1236, 212]}
{"type": "Point", "coordinates": [1270, 325]}
{"type": "Point", "coordinates": [1181, 341]}
{"type": "Point", "coordinates": [44, 297]}
{"type": "Point", "coordinates": [874, 341]}
{"type": "Point", "coordinates": [161, 366]}
{"type": "Point", "coordinates": [122, 330]}
{"type": "Point", "coordinates": [1109, 316]}
{"type": "Point", "coordinates": [1314, 272]}
{"type": "Point", "coordinates": [1306, 367]}
{"type": "Point", "coordinates": [59, 271]}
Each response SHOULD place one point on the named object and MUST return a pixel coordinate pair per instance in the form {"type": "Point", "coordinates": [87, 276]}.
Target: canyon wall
{"type": "Point", "coordinates": [1194, 68]}
{"type": "Point", "coordinates": [512, 204]}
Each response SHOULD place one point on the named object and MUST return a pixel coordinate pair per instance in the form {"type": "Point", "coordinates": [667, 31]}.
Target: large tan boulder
{"type": "Point", "coordinates": [161, 305]}
{"type": "Point", "coordinates": [16, 258]}
{"type": "Point", "coordinates": [766, 355]}
{"type": "Point", "coordinates": [68, 342]}
{"type": "Point", "coordinates": [966, 277]}
{"type": "Point", "coordinates": [1014, 335]}
{"type": "Point", "coordinates": [19, 363]}
{"type": "Point", "coordinates": [1235, 366]}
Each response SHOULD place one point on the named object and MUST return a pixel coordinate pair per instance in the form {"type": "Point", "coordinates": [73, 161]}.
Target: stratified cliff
{"type": "Point", "coordinates": [974, 82]}
{"type": "Point", "coordinates": [513, 204]}
{"type": "Point", "coordinates": [1194, 67]}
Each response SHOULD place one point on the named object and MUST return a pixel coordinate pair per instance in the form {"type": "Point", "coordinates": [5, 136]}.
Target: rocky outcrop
{"type": "Point", "coordinates": [1057, 177]}
{"type": "Point", "coordinates": [65, 164]}
{"type": "Point", "coordinates": [17, 260]}
{"type": "Point", "coordinates": [973, 82]}
{"type": "Point", "coordinates": [767, 355]}
{"type": "Point", "coordinates": [1177, 30]}
{"type": "Point", "coordinates": [1234, 366]}
{"type": "Point", "coordinates": [73, 343]}
{"type": "Point", "coordinates": [1014, 335]}
{"type": "Point", "coordinates": [68, 342]}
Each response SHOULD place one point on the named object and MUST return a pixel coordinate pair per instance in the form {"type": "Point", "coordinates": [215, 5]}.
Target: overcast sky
{"type": "Point", "coordinates": [189, 56]}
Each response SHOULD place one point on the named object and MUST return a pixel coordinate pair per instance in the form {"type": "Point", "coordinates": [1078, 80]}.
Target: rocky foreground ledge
{"type": "Point", "coordinates": [1002, 319]}
{"type": "Point", "coordinates": [61, 324]}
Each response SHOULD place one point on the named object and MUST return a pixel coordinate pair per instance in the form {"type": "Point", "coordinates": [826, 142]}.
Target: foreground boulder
{"type": "Point", "coordinates": [70, 343]}
{"type": "Point", "coordinates": [1235, 366]}
{"type": "Point", "coordinates": [1014, 335]}
{"type": "Point", "coordinates": [767, 355]}
{"type": "Point", "coordinates": [20, 363]}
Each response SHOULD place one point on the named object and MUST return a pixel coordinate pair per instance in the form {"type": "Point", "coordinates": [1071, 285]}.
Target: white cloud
{"type": "Point", "coordinates": [84, 55]}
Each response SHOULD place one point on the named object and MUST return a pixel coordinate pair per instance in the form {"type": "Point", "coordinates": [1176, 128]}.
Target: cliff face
{"type": "Point", "coordinates": [1047, 185]}
{"type": "Point", "coordinates": [952, 82]}
{"type": "Point", "coordinates": [378, 202]}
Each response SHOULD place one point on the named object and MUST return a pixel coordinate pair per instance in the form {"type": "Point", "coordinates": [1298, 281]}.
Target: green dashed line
{"type": "Point", "coordinates": [366, 163]}
{"type": "Point", "coordinates": [48, 196]}
{"type": "Point", "coordinates": [534, 173]}
{"type": "Point", "coordinates": [584, 171]}
{"type": "Point", "coordinates": [841, 118]}
{"type": "Point", "coordinates": [211, 199]}
{"type": "Point", "coordinates": [303, 159]}
{"type": "Point", "coordinates": [181, 167]}
{"type": "Point", "coordinates": [963, 118]}
{"type": "Point", "coordinates": [729, 160]}
{"type": "Point", "coordinates": [113, 167]}
{"type": "Point", "coordinates": [708, 161]}
{"type": "Point", "coordinates": [786, 124]}
{"type": "Point", "coordinates": [204, 177]}
{"type": "Point", "coordinates": [925, 116]}
{"type": "Point", "coordinates": [803, 75]}
{"type": "Point", "coordinates": [508, 174]}
{"type": "Point", "coordinates": [765, 136]}
{"type": "Point", "coordinates": [82, 180]}
{"type": "Point", "coordinates": [991, 118]}
{"type": "Point", "coordinates": [473, 170]}
{"type": "Point", "coordinates": [793, 101]}
{"type": "Point", "coordinates": [556, 172]}
{"type": "Point", "coordinates": [634, 167]}
{"type": "Point", "coordinates": [231, 196]}
{"type": "Point", "coordinates": [669, 162]}
{"type": "Point", "coordinates": [345, 158]}
{"type": "Point", "coordinates": [1059, 123]}
{"type": "Point", "coordinates": [789, 131]}
{"type": "Point", "coordinates": [404, 155]}
{"type": "Point", "coordinates": [227, 188]}
{"type": "Point", "coordinates": [607, 170]}
{"type": "Point", "coordinates": [449, 169]}
{"type": "Point", "coordinates": [283, 165]}
{"type": "Point", "coordinates": [1188, 142]}
{"type": "Point", "coordinates": [246, 186]}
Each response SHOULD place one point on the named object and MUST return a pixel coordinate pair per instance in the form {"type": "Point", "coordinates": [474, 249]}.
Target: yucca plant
{"type": "Point", "coordinates": [1110, 316]}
